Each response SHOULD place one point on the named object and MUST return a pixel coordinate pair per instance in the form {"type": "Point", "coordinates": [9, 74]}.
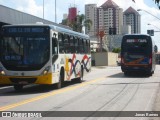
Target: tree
{"type": "Point", "coordinates": [116, 50]}
{"type": "Point", "coordinates": [88, 24]}
{"type": "Point", "coordinates": [156, 2]}
{"type": "Point", "coordinates": [78, 23]}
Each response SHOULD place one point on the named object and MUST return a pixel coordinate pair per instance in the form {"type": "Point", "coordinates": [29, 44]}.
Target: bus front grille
{"type": "Point", "coordinates": [23, 80]}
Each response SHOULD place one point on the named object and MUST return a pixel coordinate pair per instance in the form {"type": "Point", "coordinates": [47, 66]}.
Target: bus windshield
{"type": "Point", "coordinates": [24, 52]}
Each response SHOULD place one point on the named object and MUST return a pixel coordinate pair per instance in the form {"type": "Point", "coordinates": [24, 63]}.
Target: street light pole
{"type": "Point", "coordinates": [55, 13]}
{"type": "Point", "coordinates": [148, 13]}
{"type": "Point", "coordinates": [43, 9]}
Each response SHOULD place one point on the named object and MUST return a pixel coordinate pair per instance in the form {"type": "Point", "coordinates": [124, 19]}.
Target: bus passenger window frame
{"type": "Point", "coordinates": [76, 44]}
{"type": "Point", "coordinates": [54, 44]}
{"type": "Point", "coordinates": [66, 43]}
{"type": "Point", "coordinates": [61, 43]}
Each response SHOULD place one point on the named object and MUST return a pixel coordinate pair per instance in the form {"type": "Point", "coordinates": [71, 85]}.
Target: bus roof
{"type": "Point", "coordinates": [56, 28]}
{"type": "Point", "coordinates": [137, 35]}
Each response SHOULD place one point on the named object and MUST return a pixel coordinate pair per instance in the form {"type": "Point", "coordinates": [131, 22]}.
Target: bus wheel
{"type": "Point", "coordinates": [80, 79]}
{"type": "Point", "coordinates": [61, 80]}
{"type": "Point", "coordinates": [18, 87]}
{"type": "Point", "coordinates": [126, 73]}
{"type": "Point", "coordinates": [150, 73]}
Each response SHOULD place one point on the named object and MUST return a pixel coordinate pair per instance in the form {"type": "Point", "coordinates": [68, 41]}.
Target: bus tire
{"type": "Point", "coordinates": [80, 79]}
{"type": "Point", "coordinates": [60, 84]}
{"type": "Point", "coordinates": [150, 73]}
{"type": "Point", "coordinates": [18, 87]}
{"type": "Point", "coordinates": [126, 73]}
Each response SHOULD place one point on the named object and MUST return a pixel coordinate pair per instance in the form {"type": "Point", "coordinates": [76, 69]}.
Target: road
{"type": "Point", "coordinates": [103, 89]}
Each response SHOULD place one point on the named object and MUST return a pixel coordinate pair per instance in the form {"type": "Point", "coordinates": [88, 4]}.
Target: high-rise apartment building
{"type": "Point", "coordinates": [91, 13]}
{"type": "Point", "coordinates": [109, 15]}
{"type": "Point", "coordinates": [132, 17]}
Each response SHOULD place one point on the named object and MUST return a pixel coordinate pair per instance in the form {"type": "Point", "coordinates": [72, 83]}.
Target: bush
{"type": "Point", "coordinates": [116, 50]}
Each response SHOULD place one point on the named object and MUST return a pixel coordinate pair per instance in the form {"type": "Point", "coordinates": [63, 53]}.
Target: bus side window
{"type": "Point", "coordinates": [87, 46]}
{"type": "Point", "coordinates": [54, 44]}
{"type": "Point", "coordinates": [61, 42]}
{"type": "Point", "coordinates": [66, 43]}
{"type": "Point", "coordinates": [89, 49]}
{"type": "Point", "coordinates": [84, 46]}
{"type": "Point", "coordinates": [76, 44]}
{"type": "Point", "coordinates": [81, 46]}
{"type": "Point", "coordinates": [72, 44]}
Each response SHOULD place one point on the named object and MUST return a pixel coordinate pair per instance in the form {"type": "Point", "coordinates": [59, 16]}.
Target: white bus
{"type": "Point", "coordinates": [42, 54]}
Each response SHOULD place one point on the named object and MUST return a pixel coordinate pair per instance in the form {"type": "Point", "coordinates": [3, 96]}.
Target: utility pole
{"type": "Point", "coordinates": [43, 9]}
{"type": "Point", "coordinates": [55, 12]}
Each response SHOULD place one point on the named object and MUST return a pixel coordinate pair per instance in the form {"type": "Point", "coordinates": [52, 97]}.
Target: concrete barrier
{"type": "Point", "coordinates": [104, 59]}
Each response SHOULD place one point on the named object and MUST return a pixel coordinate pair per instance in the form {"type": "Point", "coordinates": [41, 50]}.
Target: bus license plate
{"type": "Point", "coordinates": [135, 67]}
{"type": "Point", "coordinates": [23, 82]}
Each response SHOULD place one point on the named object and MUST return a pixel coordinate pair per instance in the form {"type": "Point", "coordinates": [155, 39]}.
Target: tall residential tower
{"type": "Point", "coordinates": [91, 13]}
{"type": "Point", "coordinates": [132, 17]}
{"type": "Point", "coordinates": [110, 15]}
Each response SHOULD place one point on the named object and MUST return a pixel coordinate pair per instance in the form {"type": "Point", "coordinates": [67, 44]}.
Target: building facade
{"type": "Point", "coordinates": [132, 17]}
{"type": "Point", "coordinates": [109, 15]}
{"type": "Point", "coordinates": [72, 14]}
{"type": "Point", "coordinates": [91, 13]}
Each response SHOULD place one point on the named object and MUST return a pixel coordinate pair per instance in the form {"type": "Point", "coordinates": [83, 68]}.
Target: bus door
{"type": "Point", "coordinates": [55, 63]}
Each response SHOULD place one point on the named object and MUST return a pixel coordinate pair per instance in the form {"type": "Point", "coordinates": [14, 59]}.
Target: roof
{"type": "Point", "coordinates": [12, 16]}
{"type": "Point", "coordinates": [109, 4]}
{"type": "Point", "coordinates": [136, 34]}
{"type": "Point", "coordinates": [130, 10]}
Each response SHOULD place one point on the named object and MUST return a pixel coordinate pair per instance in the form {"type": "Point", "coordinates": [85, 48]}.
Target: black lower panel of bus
{"type": "Point", "coordinates": [136, 68]}
{"type": "Point", "coordinates": [23, 80]}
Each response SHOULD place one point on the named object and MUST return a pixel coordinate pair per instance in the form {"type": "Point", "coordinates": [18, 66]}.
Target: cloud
{"type": "Point", "coordinates": [30, 6]}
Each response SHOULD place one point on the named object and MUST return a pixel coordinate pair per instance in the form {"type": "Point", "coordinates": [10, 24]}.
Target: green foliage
{"type": "Point", "coordinates": [78, 23]}
{"type": "Point", "coordinates": [116, 50]}
{"type": "Point", "coordinates": [156, 2]}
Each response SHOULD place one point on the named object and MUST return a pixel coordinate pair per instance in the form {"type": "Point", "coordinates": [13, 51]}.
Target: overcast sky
{"type": "Point", "coordinates": [35, 7]}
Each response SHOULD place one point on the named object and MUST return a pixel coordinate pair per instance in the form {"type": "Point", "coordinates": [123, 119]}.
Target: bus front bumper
{"type": "Point", "coordinates": [44, 79]}
{"type": "Point", "coordinates": [145, 68]}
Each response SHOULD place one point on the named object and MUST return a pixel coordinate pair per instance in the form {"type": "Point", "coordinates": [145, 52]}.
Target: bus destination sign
{"type": "Point", "coordinates": [25, 29]}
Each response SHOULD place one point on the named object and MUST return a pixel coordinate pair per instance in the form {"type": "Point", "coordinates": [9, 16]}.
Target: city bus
{"type": "Point", "coordinates": [137, 54]}
{"type": "Point", "coordinates": [42, 54]}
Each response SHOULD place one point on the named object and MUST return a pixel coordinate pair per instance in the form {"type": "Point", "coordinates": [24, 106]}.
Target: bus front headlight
{"type": "Point", "coordinates": [2, 72]}
{"type": "Point", "coordinates": [46, 70]}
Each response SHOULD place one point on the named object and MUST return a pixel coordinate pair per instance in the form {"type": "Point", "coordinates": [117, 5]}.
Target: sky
{"type": "Point", "coordinates": [35, 7]}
